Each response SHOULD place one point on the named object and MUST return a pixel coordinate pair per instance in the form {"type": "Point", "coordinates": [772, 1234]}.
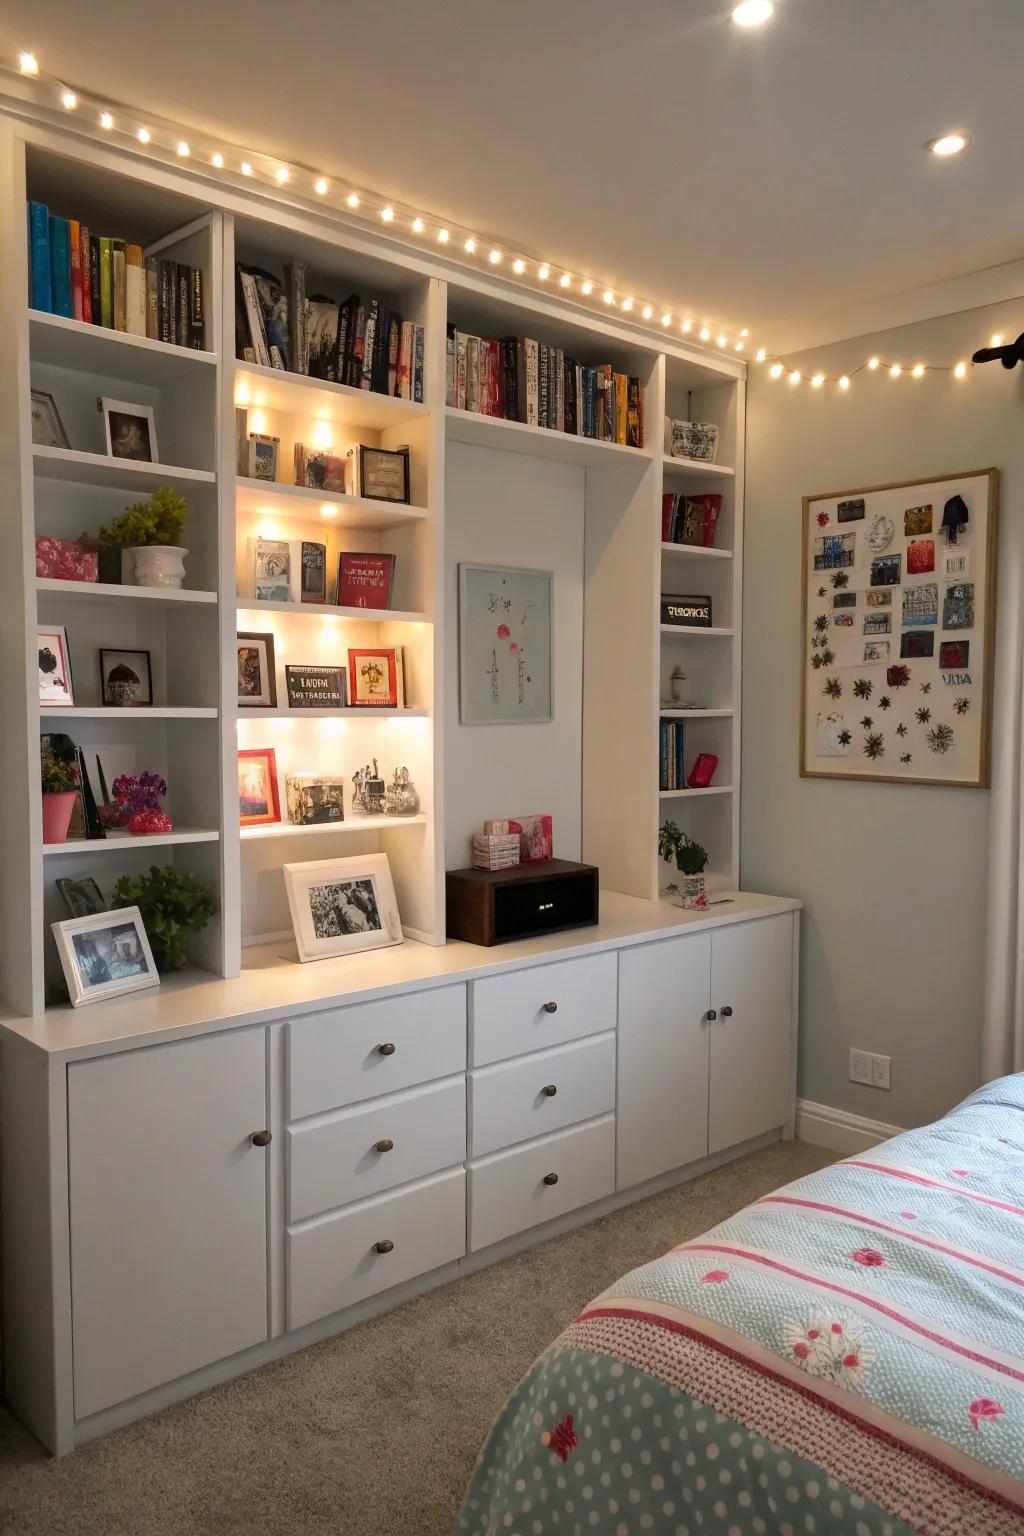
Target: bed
{"type": "Point", "coordinates": [844, 1355]}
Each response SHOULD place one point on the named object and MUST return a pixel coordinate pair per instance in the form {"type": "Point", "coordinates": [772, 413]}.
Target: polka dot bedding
{"type": "Point", "coordinates": [845, 1355]}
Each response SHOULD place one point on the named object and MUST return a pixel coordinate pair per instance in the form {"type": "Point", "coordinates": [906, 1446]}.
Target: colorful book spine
{"type": "Point", "coordinates": [134, 291]}
{"type": "Point", "coordinates": [85, 258]}
{"type": "Point", "coordinates": [418, 364]}
{"type": "Point", "coordinates": [75, 254]}
{"type": "Point", "coordinates": [449, 366]}
{"type": "Point", "coordinates": [106, 283]}
{"type": "Point", "coordinates": [60, 266]}
{"type": "Point", "coordinates": [39, 251]}
{"type": "Point", "coordinates": [152, 299]}
{"type": "Point", "coordinates": [196, 314]}
{"type": "Point", "coordinates": [95, 272]}
{"type": "Point", "coordinates": [119, 268]}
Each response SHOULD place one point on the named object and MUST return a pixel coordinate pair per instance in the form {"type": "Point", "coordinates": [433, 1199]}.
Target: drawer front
{"type": "Point", "coordinates": [513, 1101]}
{"type": "Point", "coordinates": [511, 1014]}
{"type": "Point", "coordinates": [508, 1193]}
{"type": "Point", "coordinates": [345, 1157]}
{"type": "Point", "coordinates": [334, 1262]}
{"type": "Point", "coordinates": [335, 1058]}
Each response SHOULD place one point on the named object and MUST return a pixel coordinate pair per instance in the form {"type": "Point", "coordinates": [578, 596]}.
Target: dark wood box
{"type": "Point", "coordinates": [496, 906]}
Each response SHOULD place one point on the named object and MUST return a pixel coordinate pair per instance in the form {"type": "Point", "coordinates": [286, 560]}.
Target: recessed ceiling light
{"type": "Point", "coordinates": [753, 13]}
{"type": "Point", "coordinates": [949, 144]}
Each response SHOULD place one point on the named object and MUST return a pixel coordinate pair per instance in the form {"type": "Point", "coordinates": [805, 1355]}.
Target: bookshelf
{"type": "Point", "coordinates": [606, 775]}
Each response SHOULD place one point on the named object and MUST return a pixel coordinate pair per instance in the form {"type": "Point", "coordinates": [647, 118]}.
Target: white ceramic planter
{"type": "Point", "coordinates": [157, 565]}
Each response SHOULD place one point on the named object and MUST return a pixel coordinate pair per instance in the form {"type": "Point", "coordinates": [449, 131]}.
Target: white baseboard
{"type": "Point", "coordinates": [838, 1130]}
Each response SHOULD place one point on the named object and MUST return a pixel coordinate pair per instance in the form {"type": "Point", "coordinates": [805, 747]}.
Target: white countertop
{"type": "Point", "coordinates": [274, 985]}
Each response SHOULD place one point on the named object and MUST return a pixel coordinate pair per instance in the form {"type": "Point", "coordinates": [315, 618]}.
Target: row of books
{"type": "Point", "coordinates": [109, 282]}
{"type": "Point", "coordinates": [295, 571]}
{"type": "Point", "coordinates": [519, 379]}
{"type": "Point", "coordinates": [690, 519]}
{"type": "Point", "coordinates": [361, 343]}
{"type": "Point", "coordinates": [671, 774]}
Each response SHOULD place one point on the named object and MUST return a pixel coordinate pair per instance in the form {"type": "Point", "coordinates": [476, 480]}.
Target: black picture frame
{"type": "Point", "coordinates": [371, 462]}
{"type": "Point", "coordinates": [258, 639]}
{"type": "Point", "coordinates": [118, 695]}
{"type": "Point", "coordinates": [316, 686]}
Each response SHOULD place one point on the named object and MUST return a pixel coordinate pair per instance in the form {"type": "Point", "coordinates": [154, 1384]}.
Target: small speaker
{"type": "Point", "coordinates": [494, 906]}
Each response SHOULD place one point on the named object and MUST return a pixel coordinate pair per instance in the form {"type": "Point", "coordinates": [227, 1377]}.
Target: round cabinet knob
{"type": "Point", "coordinates": [551, 1178]}
{"type": "Point", "coordinates": [549, 1090]}
{"type": "Point", "coordinates": [550, 1007]}
{"type": "Point", "coordinates": [261, 1138]}
{"type": "Point", "coordinates": [385, 1145]}
{"type": "Point", "coordinates": [383, 1247]}
{"type": "Point", "coordinates": [726, 1013]}
{"type": "Point", "coordinates": [387, 1049]}
{"type": "Point", "coordinates": [711, 1015]}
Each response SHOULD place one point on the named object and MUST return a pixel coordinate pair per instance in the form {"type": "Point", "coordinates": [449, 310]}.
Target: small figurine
{"type": "Point", "coordinates": [402, 798]}
{"type": "Point", "coordinates": [368, 791]}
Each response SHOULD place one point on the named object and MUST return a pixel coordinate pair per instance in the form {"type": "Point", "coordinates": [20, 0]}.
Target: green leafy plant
{"type": "Point", "coordinates": [690, 857]}
{"type": "Point", "coordinates": [59, 775]}
{"type": "Point", "coordinates": [157, 520]}
{"type": "Point", "coordinates": [174, 905]}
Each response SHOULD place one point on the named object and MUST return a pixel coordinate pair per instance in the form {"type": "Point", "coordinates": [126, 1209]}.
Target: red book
{"type": "Point", "coordinates": [365, 581]}
{"type": "Point", "coordinates": [703, 771]}
{"type": "Point", "coordinates": [75, 248]}
{"type": "Point", "coordinates": [668, 507]}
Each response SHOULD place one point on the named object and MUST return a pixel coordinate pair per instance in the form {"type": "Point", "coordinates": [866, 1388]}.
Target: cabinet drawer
{"type": "Point", "coordinates": [508, 1193]}
{"type": "Point", "coordinates": [512, 1014]}
{"type": "Point", "coordinates": [344, 1157]}
{"type": "Point", "coordinates": [513, 1101]}
{"type": "Point", "coordinates": [334, 1262]}
{"type": "Point", "coordinates": [335, 1058]}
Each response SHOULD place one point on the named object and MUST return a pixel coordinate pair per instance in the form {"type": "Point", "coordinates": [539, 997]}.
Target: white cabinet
{"type": "Point", "coordinates": [751, 1037]}
{"type": "Point", "coordinates": [664, 991]}
{"type": "Point", "coordinates": [705, 1044]}
{"type": "Point", "coordinates": [168, 1200]}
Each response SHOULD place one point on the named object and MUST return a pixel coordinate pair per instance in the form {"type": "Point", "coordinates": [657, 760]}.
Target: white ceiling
{"type": "Point", "coordinates": [765, 178]}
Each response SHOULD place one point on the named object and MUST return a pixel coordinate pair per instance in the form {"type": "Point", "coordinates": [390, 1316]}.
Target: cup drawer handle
{"type": "Point", "coordinates": [387, 1049]}
{"type": "Point", "coordinates": [384, 1145]}
{"type": "Point", "coordinates": [549, 1090]}
{"type": "Point", "coordinates": [551, 1178]}
{"type": "Point", "coordinates": [551, 1007]}
{"type": "Point", "coordinates": [384, 1246]}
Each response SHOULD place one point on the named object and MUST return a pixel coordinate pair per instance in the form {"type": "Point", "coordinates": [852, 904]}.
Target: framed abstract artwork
{"type": "Point", "coordinates": [899, 597]}
{"type": "Point", "coordinates": [505, 645]}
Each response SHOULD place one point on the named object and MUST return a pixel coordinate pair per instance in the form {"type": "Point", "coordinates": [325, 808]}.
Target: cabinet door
{"type": "Point", "coordinates": [168, 1212]}
{"type": "Point", "coordinates": [751, 1045]}
{"type": "Point", "coordinates": [662, 1116]}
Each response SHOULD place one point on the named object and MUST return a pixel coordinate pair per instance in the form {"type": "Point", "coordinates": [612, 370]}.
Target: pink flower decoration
{"type": "Point", "coordinates": [514, 646]}
{"type": "Point", "coordinates": [561, 1437]}
{"type": "Point", "coordinates": [503, 631]}
{"type": "Point", "coordinates": [982, 1409]}
{"type": "Point", "coordinates": [869, 1257]}
{"type": "Point", "coordinates": [837, 1327]}
{"type": "Point", "coordinates": [908, 1215]}
{"type": "Point", "coordinates": [801, 1351]}
{"type": "Point", "coordinates": [962, 1173]}
{"type": "Point", "coordinates": [714, 1277]}
{"type": "Point", "coordinates": [851, 1361]}
{"type": "Point", "coordinates": [812, 1333]}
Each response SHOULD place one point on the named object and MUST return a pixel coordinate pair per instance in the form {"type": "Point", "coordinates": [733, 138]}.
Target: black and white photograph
{"type": "Point", "coordinates": [342, 906]}
{"type": "Point", "coordinates": [105, 954]}
{"type": "Point", "coordinates": [47, 427]}
{"type": "Point", "coordinates": [82, 897]}
{"type": "Point", "coordinates": [130, 430]}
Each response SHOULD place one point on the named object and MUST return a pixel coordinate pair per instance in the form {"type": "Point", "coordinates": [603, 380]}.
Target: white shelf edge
{"type": "Point", "coordinates": [499, 424]}
{"type": "Point", "coordinates": [333, 828]}
{"type": "Point", "coordinates": [686, 630]}
{"type": "Point", "coordinates": [140, 712]}
{"type": "Point", "coordinates": [96, 465]}
{"type": "Point", "coordinates": [327, 610]}
{"type": "Point", "coordinates": [695, 714]}
{"type": "Point", "coordinates": [103, 591]}
{"type": "Point", "coordinates": [71, 327]}
{"type": "Point", "coordinates": [698, 466]}
{"type": "Point", "coordinates": [294, 499]}
{"type": "Point", "coordinates": [117, 840]}
{"type": "Point", "coordinates": [344, 395]}
{"type": "Point", "coordinates": [694, 794]}
{"type": "Point", "coordinates": [695, 551]}
{"type": "Point", "coordinates": [361, 712]}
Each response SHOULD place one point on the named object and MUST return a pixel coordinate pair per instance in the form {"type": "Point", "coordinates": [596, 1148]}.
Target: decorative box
{"type": "Point", "coordinates": [687, 612]}
{"type": "Point", "coordinates": [66, 560]}
{"type": "Point", "coordinates": [699, 517]}
{"type": "Point", "coordinates": [692, 440]}
{"type": "Point", "coordinates": [500, 850]}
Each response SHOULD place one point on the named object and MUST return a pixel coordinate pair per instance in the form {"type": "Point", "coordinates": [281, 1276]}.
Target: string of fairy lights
{"type": "Point", "coordinates": [174, 144]}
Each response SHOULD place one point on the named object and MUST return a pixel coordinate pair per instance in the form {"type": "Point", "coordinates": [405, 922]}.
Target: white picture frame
{"type": "Point", "coordinates": [56, 688]}
{"type": "Point", "coordinates": [342, 906]}
{"type": "Point", "coordinates": [129, 429]}
{"type": "Point", "coordinates": [506, 645]}
{"type": "Point", "coordinates": [105, 955]}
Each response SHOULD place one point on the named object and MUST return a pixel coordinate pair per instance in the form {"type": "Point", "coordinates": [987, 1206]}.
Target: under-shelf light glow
{"type": "Point", "coordinates": [565, 281]}
{"type": "Point", "coordinates": [739, 346]}
{"type": "Point", "coordinates": [323, 434]}
{"type": "Point", "coordinates": [258, 423]}
{"type": "Point", "coordinates": [281, 175]}
{"type": "Point", "coordinates": [443, 237]}
{"type": "Point", "coordinates": [997, 340]}
{"type": "Point", "coordinates": [28, 63]}
{"type": "Point", "coordinates": [320, 186]}
{"type": "Point", "coordinates": [744, 333]}
{"type": "Point", "coordinates": [183, 149]}
{"type": "Point", "coordinates": [543, 272]}
{"type": "Point", "coordinates": [608, 296]}
{"type": "Point", "coordinates": [753, 13]}
{"type": "Point", "coordinates": [960, 371]}
{"type": "Point", "coordinates": [666, 318]}
{"type": "Point", "coordinates": [720, 341]}
{"type": "Point", "coordinates": [494, 256]}
{"type": "Point", "coordinates": [705, 334]}
{"type": "Point", "coordinates": [143, 135]}
{"type": "Point", "coordinates": [417, 226]}
{"type": "Point", "coordinates": [469, 245]}
{"type": "Point", "coordinates": [106, 121]}
{"type": "Point", "coordinates": [328, 511]}
{"type": "Point", "coordinates": [353, 200]}
{"type": "Point", "coordinates": [587, 288]}
{"type": "Point", "coordinates": [686, 327]}
{"type": "Point", "coordinates": [217, 160]}
{"type": "Point", "coordinates": [844, 382]}
{"type": "Point", "coordinates": [917, 371]}
{"type": "Point", "coordinates": [245, 168]}
{"type": "Point", "coordinates": [387, 214]}
{"type": "Point", "coordinates": [68, 100]}
{"type": "Point", "coordinates": [519, 266]}
{"type": "Point", "coordinates": [627, 305]}
{"type": "Point", "coordinates": [648, 311]}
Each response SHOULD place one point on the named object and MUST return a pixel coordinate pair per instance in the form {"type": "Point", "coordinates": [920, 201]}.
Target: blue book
{"type": "Point", "coordinates": [60, 267]}
{"type": "Point", "coordinates": [39, 256]}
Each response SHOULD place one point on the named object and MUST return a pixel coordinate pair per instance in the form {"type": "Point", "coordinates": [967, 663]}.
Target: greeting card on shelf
{"type": "Point", "coordinates": [365, 580]}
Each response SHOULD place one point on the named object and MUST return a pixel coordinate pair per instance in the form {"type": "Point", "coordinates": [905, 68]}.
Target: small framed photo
{"type": "Point", "coordinates": [315, 799]}
{"type": "Point", "coordinates": [126, 679]}
{"type": "Point", "coordinates": [316, 687]}
{"type": "Point", "coordinates": [342, 906]}
{"type": "Point", "coordinates": [83, 898]}
{"type": "Point", "coordinates": [257, 671]}
{"type": "Point", "coordinates": [55, 687]}
{"type": "Point", "coordinates": [130, 429]}
{"type": "Point", "coordinates": [47, 427]}
{"type": "Point", "coordinates": [258, 802]}
{"type": "Point", "coordinates": [383, 474]}
{"type": "Point", "coordinates": [376, 678]}
{"type": "Point", "coordinates": [262, 456]}
{"type": "Point", "coordinates": [105, 954]}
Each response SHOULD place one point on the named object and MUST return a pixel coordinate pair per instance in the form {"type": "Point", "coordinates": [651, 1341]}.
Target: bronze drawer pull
{"type": "Point", "coordinates": [726, 1013]}
{"type": "Point", "coordinates": [550, 1007]}
{"type": "Point", "coordinates": [549, 1090]}
{"type": "Point", "coordinates": [551, 1178]}
{"type": "Point", "coordinates": [261, 1138]}
{"type": "Point", "coordinates": [387, 1049]}
{"type": "Point", "coordinates": [385, 1145]}
{"type": "Point", "coordinates": [711, 1015]}
{"type": "Point", "coordinates": [384, 1246]}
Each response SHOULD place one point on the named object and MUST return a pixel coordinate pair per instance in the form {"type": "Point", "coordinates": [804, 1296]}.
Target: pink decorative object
{"type": "Point", "coordinates": [535, 836]}
{"type": "Point", "coordinates": [561, 1438]}
{"type": "Point", "coordinates": [714, 1277]}
{"type": "Point", "coordinates": [66, 560]}
{"type": "Point", "coordinates": [57, 809]}
{"type": "Point", "coordinates": [135, 802]}
{"type": "Point", "coordinates": [984, 1410]}
{"type": "Point", "coordinates": [148, 823]}
{"type": "Point", "coordinates": [869, 1257]}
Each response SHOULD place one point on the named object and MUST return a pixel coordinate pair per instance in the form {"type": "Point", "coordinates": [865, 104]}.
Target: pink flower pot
{"type": "Point", "coordinates": [57, 815]}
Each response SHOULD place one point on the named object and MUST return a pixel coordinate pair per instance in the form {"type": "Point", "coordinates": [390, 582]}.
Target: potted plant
{"type": "Point", "coordinates": [691, 861]}
{"type": "Point", "coordinates": [147, 532]}
{"type": "Point", "coordinates": [59, 778]}
{"type": "Point", "coordinates": [175, 906]}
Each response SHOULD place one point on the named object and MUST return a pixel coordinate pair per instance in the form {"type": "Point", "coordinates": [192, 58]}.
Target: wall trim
{"type": "Point", "coordinates": [838, 1129]}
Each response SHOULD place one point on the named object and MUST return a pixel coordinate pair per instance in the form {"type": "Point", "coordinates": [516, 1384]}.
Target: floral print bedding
{"type": "Point", "coordinates": [845, 1355]}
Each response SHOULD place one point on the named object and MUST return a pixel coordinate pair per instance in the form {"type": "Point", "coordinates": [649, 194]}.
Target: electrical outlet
{"type": "Point", "coordinates": [871, 1069]}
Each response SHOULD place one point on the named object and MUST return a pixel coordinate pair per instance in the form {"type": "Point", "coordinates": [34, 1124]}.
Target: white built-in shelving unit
{"type": "Point", "coordinates": [193, 732]}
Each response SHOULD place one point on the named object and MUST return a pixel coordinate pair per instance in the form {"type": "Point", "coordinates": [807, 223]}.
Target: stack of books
{"type": "Point", "coordinates": [671, 774]}
{"type": "Point", "coordinates": [690, 519]}
{"type": "Point", "coordinates": [109, 282]}
{"type": "Point", "coordinates": [361, 343]}
{"type": "Point", "coordinates": [519, 379]}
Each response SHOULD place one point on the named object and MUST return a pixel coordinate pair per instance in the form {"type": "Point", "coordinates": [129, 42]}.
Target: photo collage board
{"type": "Point", "coordinates": [898, 631]}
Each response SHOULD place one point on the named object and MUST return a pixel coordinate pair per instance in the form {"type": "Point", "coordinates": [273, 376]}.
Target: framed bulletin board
{"type": "Point", "coordinates": [898, 631]}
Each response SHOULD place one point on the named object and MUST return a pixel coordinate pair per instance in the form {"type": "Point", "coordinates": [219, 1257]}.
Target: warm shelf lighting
{"type": "Point", "coordinates": [666, 318]}
{"type": "Point", "coordinates": [753, 13]}
{"type": "Point", "coordinates": [28, 63]}
{"type": "Point", "coordinates": [387, 214]}
{"type": "Point", "coordinates": [443, 237]}
{"type": "Point", "coordinates": [494, 257]}
{"type": "Point", "coordinates": [587, 288]}
{"type": "Point", "coordinates": [608, 296]}
{"type": "Point", "coordinates": [143, 135]}
{"type": "Point", "coordinates": [106, 121]}
{"type": "Point", "coordinates": [705, 334]}
{"type": "Point", "coordinates": [352, 200]}
{"type": "Point", "coordinates": [844, 382]}
{"type": "Point", "coordinates": [720, 341]}
{"type": "Point", "coordinates": [519, 266]}
{"type": "Point", "coordinates": [960, 371]}
{"type": "Point", "coordinates": [470, 245]}
{"type": "Point", "coordinates": [544, 272]}
{"type": "Point", "coordinates": [183, 149]}
{"type": "Point", "coordinates": [648, 311]}
{"type": "Point", "coordinates": [320, 186]}
{"type": "Point", "coordinates": [997, 340]}
{"type": "Point", "coordinates": [68, 100]}
{"type": "Point", "coordinates": [417, 226]}
{"type": "Point", "coordinates": [246, 168]}
{"type": "Point", "coordinates": [565, 281]}
{"type": "Point", "coordinates": [948, 144]}
{"type": "Point", "coordinates": [281, 175]}
{"type": "Point", "coordinates": [217, 160]}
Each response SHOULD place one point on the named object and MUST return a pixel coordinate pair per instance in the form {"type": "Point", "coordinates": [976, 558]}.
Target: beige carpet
{"type": "Point", "coordinates": [373, 1433]}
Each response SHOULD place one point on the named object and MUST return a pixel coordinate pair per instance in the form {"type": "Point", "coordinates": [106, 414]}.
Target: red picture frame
{"type": "Point", "coordinates": [375, 678]}
{"type": "Point", "coordinates": [258, 792]}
